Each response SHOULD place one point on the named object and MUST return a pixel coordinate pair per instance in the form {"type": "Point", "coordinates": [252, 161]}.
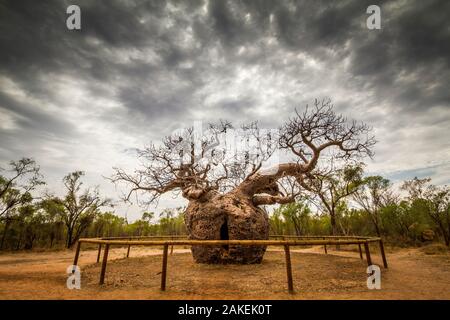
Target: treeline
{"type": "Point", "coordinates": [340, 202]}
{"type": "Point", "coordinates": [368, 206]}
{"type": "Point", "coordinates": [38, 229]}
{"type": "Point", "coordinates": [49, 221]}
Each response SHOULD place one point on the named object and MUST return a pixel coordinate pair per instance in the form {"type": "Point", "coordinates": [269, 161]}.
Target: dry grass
{"type": "Point", "coordinates": [435, 249]}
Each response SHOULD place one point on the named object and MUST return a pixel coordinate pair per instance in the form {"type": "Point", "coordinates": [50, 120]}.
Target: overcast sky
{"type": "Point", "coordinates": [84, 100]}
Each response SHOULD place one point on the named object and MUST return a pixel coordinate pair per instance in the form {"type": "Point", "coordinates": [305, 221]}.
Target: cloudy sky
{"type": "Point", "coordinates": [137, 70]}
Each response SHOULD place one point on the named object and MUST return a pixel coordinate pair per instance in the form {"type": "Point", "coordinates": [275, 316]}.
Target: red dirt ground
{"type": "Point", "coordinates": [412, 274]}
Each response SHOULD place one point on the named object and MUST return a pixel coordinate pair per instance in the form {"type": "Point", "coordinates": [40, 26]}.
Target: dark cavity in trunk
{"type": "Point", "coordinates": [224, 233]}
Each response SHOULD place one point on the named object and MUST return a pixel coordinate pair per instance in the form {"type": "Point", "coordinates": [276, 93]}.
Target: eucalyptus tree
{"type": "Point", "coordinates": [78, 208]}
{"type": "Point", "coordinates": [329, 188]}
{"type": "Point", "coordinates": [432, 199]}
{"type": "Point", "coordinates": [374, 194]}
{"type": "Point", "coordinates": [16, 184]}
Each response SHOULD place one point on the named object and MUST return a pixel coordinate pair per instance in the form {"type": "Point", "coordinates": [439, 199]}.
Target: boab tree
{"type": "Point", "coordinates": [223, 173]}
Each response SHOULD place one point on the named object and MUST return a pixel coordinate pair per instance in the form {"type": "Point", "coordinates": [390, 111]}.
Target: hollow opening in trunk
{"type": "Point", "coordinates": [224, 233]}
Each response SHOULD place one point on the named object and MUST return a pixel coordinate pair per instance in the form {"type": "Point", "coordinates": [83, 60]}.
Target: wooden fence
{"type": "Point", "coordinates": [286, 242]}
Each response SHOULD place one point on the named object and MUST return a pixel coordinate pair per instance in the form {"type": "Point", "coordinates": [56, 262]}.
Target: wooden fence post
{"type": "Point", "coordinates": [77, 254]}
{"type": "Point", "coordinates": [105, 260]}
{"type": "Point", "coordinates": [360, 251]}
{"type": "Point", "coordinates": [368, 258]}
{"type": "Point", "coordinates": [289, 269]}
{"type": "Point", "coordinates": [164, 267]}
{"type": "Point", "coordinates": [128, 251]}
{"type": "Point", "coordinates": [325, 248]}
{"type": "Point", "coordinates": [99, 252]}
{"type": "Point", "coordinates": [383, 255]}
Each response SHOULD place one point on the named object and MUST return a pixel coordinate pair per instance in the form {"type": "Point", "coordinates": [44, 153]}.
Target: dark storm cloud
{"type": "Point", "coordinates": [139, 69]}
{"type": "Point", "coordinates": [416, 35]}
{"type": "Point", "coordinates": [413, 39]}
{"type": "Point", "coordinates": [35, 119]}
{"type": "Point", "coordinates": [414, 43]}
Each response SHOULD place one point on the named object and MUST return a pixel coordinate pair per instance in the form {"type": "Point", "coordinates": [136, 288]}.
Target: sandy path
{"type": "Point", "coordinates": [338, 275]}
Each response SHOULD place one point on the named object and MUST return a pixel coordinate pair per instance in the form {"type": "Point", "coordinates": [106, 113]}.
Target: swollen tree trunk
{"type": "Point", "coordinates": [231, 216]}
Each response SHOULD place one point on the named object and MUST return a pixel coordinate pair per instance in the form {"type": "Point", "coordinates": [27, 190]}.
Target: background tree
{"type": "Point", "coordinates": [148, 216]}
{"type": "Point", "coordinates": [329, 189]}
{"type": "Point", "coordinates": [54, 225]}
{"type": "Point", "coordinates": [78, 208]}
{"type": "Point", "coordinates": [16, 185]}
{"type": "Point", "coordinates": [374, 194]}
{"type": "Point", "coordinates": [276, 222]}
{"type": "Point", "coordinates": [172, 221]}
{"type": "Point", "coordinates": [404, 222]}
{"type": "Point", "coordinates": [433, 200]}
{"type": "Point", "coordinates": [108, 224]}
{"type": "Point", "coordinates": [34, 227]}
{"type": "Point", "coordinates": [296, 214]}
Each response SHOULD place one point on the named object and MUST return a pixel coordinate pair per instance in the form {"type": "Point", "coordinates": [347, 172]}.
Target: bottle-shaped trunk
{"type": "Point", "coordinates": [227, 217]}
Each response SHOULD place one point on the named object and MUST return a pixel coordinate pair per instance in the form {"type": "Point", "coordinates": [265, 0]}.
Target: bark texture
{"type": "Point", "coordinates": [227, 217]}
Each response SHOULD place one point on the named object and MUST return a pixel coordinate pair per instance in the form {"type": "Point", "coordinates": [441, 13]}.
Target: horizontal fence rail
{"type": "Point", "coordinates": [270, 236]}
{"type": "Point", "coordinates": [176, 240]}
